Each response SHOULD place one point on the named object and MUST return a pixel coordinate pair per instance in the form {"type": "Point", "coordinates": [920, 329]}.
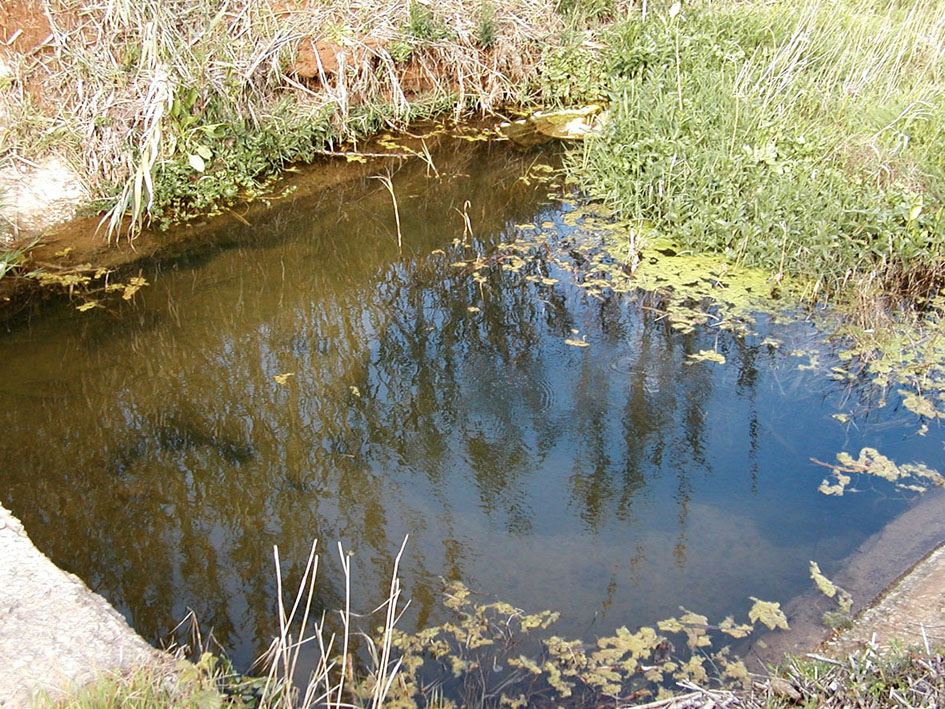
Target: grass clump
{"type": "Point", "coordinates": [173, 108]}
{"type": "Point", "coordinates": [869, 678]}
{"type": "Point", "coordinates": [796, 137]}
{"type": "Point", "coordinates": [178, 684]}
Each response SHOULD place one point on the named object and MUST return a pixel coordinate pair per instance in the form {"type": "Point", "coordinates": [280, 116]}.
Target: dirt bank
{"type": "Point", "coordinates": [160, 110]}
{"type": "Point", "coordinates": [80, 245]}
{"type": "Point", "coordinates": [54, 632]}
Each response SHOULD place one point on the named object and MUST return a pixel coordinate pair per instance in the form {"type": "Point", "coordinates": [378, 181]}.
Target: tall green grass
{"type": "Point", "coordinates": [802, 137]}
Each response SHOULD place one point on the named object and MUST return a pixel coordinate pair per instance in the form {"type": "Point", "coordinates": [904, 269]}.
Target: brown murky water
{"type": "Point", "coordinates": [150, 448]}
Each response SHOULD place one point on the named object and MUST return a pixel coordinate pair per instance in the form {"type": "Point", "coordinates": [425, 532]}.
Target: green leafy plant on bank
{"type": "Point", "coordinates": [422, 22]}
{"type": "Point", "coordinates": [797, 137]}
{"type": "Point", "coordinates": [572, 74]}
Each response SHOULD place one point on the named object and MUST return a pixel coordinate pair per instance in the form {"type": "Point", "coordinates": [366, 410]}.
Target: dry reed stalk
{"type": "Point", "coordinates": [328, 684]}
{"type": "Point", "coordinates": [386, 181]}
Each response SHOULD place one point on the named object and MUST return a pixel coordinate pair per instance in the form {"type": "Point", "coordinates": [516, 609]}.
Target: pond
{"type": "Point", "coordinates": [302, 376]}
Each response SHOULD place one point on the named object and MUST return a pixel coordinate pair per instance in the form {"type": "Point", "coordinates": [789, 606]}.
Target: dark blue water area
{"type": "Point", "coordinates": [149, 447]}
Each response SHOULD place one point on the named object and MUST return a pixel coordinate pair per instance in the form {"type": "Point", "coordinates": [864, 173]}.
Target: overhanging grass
{"type": "Point", "coordinates": [797, 137]}
{"type": "Point", "coordinates": [173, 107]}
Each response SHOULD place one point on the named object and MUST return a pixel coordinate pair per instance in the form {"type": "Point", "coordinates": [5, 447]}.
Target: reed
{"type": "Point", "coordinates": [335, 681]}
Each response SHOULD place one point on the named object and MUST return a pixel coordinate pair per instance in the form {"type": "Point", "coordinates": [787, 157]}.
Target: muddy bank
{"type": "Point", "coordinates": [178, 118]}
{"type": "Point", "coordinates": [55, 633]}
{"type": "Point", "coordinates": [896, 579]}
{"type": "Point", "coordinates": [81, 245]}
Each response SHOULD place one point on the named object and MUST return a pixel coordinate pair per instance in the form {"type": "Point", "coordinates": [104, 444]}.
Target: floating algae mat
{"type": "Point", "coordinates": [496, 388]}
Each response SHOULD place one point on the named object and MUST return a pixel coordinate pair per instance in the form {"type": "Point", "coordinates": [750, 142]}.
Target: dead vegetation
{"type": "Point", "coordinates": [867, 679]}
{"type": "Point", "coordinates": [129, 91]}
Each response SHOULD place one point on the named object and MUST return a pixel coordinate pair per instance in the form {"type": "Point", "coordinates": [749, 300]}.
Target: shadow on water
{"type": "Point", "coordinates": [156, 454]}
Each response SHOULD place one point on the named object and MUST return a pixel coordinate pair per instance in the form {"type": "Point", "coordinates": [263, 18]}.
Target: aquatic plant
{"type": "Point", "coordinates": [486, 653]}
{"type": "Point", "coordinates": [915, 477]}
{"type": "Point", "coordinates": [840, 617]}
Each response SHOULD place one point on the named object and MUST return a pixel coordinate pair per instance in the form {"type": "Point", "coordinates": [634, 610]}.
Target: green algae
{"type": "Point", "coordinates": [915, 477]}
{"type": "Point", "coordinates": [740, 290]}
{"type": "Point", "coordinates": [909, 354]}
{"type": "Point", "coordinates": [707, 289]}
{"type": "Point", "coordinates": [482, 639]}
{"type": "Point", "coordinates": [606, 255]}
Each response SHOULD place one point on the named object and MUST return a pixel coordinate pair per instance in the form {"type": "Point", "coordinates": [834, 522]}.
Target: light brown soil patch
{"type": "Point", "coordinates": [23, 22]}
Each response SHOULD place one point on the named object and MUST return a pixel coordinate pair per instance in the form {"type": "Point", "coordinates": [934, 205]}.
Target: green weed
{"type": "Point", "coordinates": [487, 30]}
{"type": "Point", "coordinates": [587, 10]}
{"type": "Point", "coordinates": [14, 258]}
{"type": "Point", "coordinates": [157, 687]}
{"type": "Point", "coordinates": [422, 23]}
{"type": "Point", "coordinates": [796, 138]}
{"type": "Point", "coordinates": [572, 74]}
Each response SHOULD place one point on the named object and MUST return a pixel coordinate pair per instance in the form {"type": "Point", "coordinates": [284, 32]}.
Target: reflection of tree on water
{"type": "Point", "coordinates": [406, 412]}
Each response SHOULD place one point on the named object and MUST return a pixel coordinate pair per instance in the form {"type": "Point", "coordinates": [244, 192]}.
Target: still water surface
{"type": "Point", "coordinates": [149, 448]}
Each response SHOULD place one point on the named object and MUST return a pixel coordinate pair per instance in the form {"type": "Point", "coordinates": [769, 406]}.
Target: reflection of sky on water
{"type": "Point", "coordinates": [152, 452]}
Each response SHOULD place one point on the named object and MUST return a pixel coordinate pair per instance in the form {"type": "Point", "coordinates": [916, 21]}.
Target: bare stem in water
{"type": "Point", "coordinates": [386, 181]}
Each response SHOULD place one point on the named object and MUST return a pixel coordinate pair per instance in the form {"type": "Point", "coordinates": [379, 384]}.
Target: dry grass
{"type": "Point", "coordinates": [336, 680]}
{"type": "Point", "coordinates": [123, 86]}
{"type": "Point", "coordinates": [868, 679]}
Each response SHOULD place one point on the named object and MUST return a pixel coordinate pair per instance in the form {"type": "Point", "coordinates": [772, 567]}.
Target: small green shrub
{"type": "Point", "coordinates": [422, 23]}
{"type": "Point", "coordinates": [400, 51]}
{"type": "Point", "coordinates": [487, 30]}
{"type": "Point", "coordinates": [572, 75]}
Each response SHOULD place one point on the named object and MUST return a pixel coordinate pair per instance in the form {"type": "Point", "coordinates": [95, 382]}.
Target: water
{"type": "Point", "coordinates": [148, 448]}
